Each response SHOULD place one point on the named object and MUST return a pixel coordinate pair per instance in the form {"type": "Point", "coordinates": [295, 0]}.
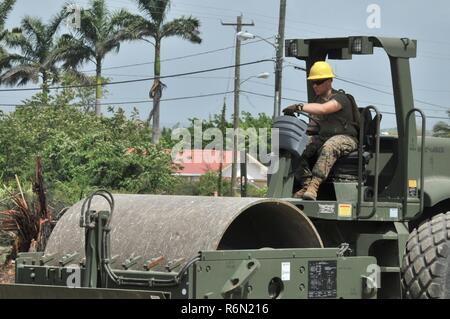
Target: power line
{"type": "Point", "coordinates": [177, 58]}
{"type": "Point", "coordinates": [344, 80]}
{"type": "Point", "coordinates": [201, 96]}
{"type": "Point", "coordinates": [377, 90]}
{"type": "Point", "coordinates": [389, 93]}
{"type": "Point", "coordinates": [358, 100]}
{"type": "Point", "coordinates": [372, 83]}
{"type": "Point", "coordinates": [271, 85]}
{"type": "Point", "coordinates": [196, 96]}
{"type": "Point", "coordinates": [271, 96]}
{"type": "Point", "coordinates": [164, 60]}
{"type": "Point", "coordinates": [272, 20]}
{"type": "Point", "coordinates": [193, 97]}
{"type": "Point", "coordinates": [297, 100]}
{"type": "Point", "coordinates": [185, 77]}
{"type": "Point", "coordinates": [132, 102]}
{"type": "Point", "coordinates": [428, 117]}
{"type": "Point", "coordinates": [140, 80]}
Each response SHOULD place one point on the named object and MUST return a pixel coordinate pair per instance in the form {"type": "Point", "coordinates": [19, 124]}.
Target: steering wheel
{"type": "Point", "coordinates": [305, 114]}
{"type": "Point", "coordinates": [310, 117]}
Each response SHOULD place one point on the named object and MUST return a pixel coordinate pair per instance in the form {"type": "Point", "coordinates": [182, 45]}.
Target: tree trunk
{"type": "Point", "coordinates": [156, 93]}
{"type": "Point", "coordinates": [45, 89]}
{"type": "Point", "coordinates": [98, 88]}
{"type": "Point", "coordinates": [41, 209]}
{"type": "Point", "coordinates": [155, 127]}
{"type": "Point", "coordinates": [222, 129]}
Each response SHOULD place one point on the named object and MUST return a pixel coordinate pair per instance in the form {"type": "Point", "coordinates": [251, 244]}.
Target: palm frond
{"type": "Point", "coordinates": [4, 63]}
{"type": "Point", "coordinates": [99, 10]}
{"type": "Point", "coordinates": [19, 41]}
{"type": "Point", "coordinates": [80, 77]}
{"type": "Point", "coordinates": [55, 22]}
{"type": "Point", "coordinates": [35, 43]}
{"type": "Point", "coordinates": [123, 18]}
{"type": "Point", "coordinates": [55, 74]}
{"type": "Point", "coordinates": [33, 28]}
{"type": "Point", "coordinates": [3, 34]}
{"type": "Point", "coordinates": [5, 8]}
{"type": "Point", "coordinates": [89, 31]}
{"type": "Point", "coordinates": [101, 31]}
{"type": "Point", "coordinates": [20, 75]}
{"type": "Point", "coordinates": [184, 27]}
{"type": "Point", "coordinates": [113, 43]}
{"type": "Point", "coordinates": [14, 59]}
{"type": "Point", "coordinates": [155, 9]}
{"type": "Point", "coordinates": [72, 52]}
{"type": "Point", "coordinates": [141, 28]}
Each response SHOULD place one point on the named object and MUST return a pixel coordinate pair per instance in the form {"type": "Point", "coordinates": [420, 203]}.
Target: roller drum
{"type": "Point", "coordinates": [180, 226]}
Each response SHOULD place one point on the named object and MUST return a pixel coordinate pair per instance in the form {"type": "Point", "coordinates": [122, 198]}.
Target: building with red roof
{"type": "Point", "coordinates": [194, 163]}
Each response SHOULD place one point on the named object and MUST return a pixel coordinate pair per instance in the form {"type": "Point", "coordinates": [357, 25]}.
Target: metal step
{"type": "Point", "coordinates": [389, 269]}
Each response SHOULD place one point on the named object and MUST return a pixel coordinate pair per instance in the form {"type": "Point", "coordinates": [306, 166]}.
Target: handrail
{"type": "Point", "coordinates": [360, 158]}
{"type": "Point", "coordinates": [376, 173]}
{"type": "Point", "coordinates": [422, 159]}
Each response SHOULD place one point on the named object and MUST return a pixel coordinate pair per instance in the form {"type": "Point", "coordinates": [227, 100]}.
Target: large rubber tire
{"type": "Point", "coordinates": [426, 264]}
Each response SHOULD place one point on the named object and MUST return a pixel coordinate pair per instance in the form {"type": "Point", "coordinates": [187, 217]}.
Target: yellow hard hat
{"type": "Point", "coordinates": [321, 70]}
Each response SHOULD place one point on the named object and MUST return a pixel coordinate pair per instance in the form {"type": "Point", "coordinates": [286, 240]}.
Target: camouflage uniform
{"type": "Point", "coordinates": [336, 138]}
{"type": "Point", "coordinates": [328, 151]}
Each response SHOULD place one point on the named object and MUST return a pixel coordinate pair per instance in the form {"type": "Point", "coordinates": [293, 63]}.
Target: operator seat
{"type": "Point", "coordinates": [346, 167]}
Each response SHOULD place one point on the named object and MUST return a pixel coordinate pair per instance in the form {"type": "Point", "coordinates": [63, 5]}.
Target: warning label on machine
{"type": "Point", "coordinates": [322, 277]}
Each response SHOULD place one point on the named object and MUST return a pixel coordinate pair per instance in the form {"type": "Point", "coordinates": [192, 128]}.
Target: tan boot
{"type": "Point", "coordinates": [313, 188]}
{"type": "Point", "coordinates": [301, 192]}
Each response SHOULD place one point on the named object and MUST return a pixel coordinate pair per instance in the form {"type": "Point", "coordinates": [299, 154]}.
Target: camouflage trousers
{"type": "Point", "coordinates": [327, 151]}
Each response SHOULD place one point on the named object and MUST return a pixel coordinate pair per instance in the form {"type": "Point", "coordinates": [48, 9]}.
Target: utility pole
{"type": "Point", "coordinates": [279, 59]}
{"type": "Point", "coordinates": [237, 78]}
{"type": "Point", "coordinates": [222, 129]}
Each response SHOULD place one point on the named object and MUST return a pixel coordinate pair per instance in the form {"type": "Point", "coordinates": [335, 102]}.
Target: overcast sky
{"type": "Point", "coordinates": [426, 21]}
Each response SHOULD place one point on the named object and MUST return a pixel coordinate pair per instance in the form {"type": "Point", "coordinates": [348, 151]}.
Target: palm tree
{"type": "Point", "coordinates": [100, 33]}
{"type": "Point", "coordinates": [152, 24]}
{"type": "Point", "coordinates": [5, 8]}
{"type": "Point", "coordinates": [35, 59]}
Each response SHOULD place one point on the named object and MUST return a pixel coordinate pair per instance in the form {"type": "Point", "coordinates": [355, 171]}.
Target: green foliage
{"type": "Point", "coordinates": [81, 152]}
{"type": "Point", "coordinates": [184, 186]}
{"type": "Point", "coordinates": [442, 129]}
{"type": "Point", "coordinates": [206, 186]}
{"type": "Point", "coordinates": [78, 91]}
{"type": "Point", "coordinates": [5, 8]}
{"type": "Point", "coordinates": [260, 121]}
{"type": "Point", "coordinates": [36, 58]}
{"type": "Point", "coordinates": [254, 191]}
{"type": "Point", "coordinates": [247, 121]}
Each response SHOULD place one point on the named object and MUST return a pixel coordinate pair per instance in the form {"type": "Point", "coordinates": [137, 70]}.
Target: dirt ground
{"type": "Point", "coordinates": [7, 273]}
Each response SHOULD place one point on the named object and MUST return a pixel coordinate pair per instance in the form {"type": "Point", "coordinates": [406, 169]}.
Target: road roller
{"type": "Point", "coordinates": [379, 228]}
{"type": "Point", "coordinates": [156, 246]}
